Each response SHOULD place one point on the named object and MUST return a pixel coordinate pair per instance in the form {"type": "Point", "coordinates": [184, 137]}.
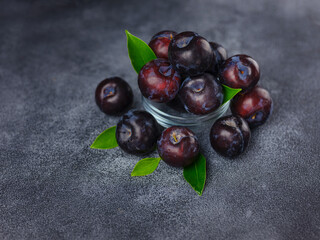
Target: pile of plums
{"type": "Point", "coordinates": [190, 69]}
{"type": "Point", "coordinates": [186, 68]}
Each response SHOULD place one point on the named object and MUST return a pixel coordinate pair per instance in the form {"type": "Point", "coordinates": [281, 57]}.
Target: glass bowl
{"type": "Point", "coordinates": [173, 114]}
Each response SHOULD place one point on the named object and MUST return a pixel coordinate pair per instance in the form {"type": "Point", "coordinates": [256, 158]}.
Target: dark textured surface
{"type": "Point", "coordinates": [52, 186]}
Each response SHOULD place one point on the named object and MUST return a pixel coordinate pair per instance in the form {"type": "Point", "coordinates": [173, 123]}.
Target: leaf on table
{"type": "Point", "coordinates": [195, 174]}
{"type": "Point", "coordinates": [139, 52]}
{"type": "Point", "coordinates": [106, 140]}
{"type": "Point", "coordinates": [145, 166]}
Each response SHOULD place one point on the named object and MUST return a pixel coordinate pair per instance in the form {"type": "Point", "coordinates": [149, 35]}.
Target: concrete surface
{"type": "Point", "coordinates": [53, 186]}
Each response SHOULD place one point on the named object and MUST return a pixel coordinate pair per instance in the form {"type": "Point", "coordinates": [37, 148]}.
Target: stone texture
{"type": "Point", "coordinates": [53, 186]}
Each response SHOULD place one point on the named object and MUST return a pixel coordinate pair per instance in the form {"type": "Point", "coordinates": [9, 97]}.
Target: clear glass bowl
{"type": "Point", "coordinates": [169, 115]}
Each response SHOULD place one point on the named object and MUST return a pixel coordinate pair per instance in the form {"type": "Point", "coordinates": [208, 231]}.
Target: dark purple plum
{"type": "Point", "coordinates": [176, 105]}
{"type": "Point", "coordinates": [137, 132]}
{"type": "Point", "coordinates": [230, 135]}
{"type": "Point", "coordinates": [240, 71]}
{"type": "Point", "coordinates": [201, 94]}
{"type": "Point", "coordinates": [219, 56]}
{"type": "Point", "coordinates": [190, 54]}
{"type": "Point", "coordinates": [178, 146]}
{"type": "Point", "coordinates": [158, 81]}
{"type": "Point", "coordinates": [160, 43]}
{"type": "Point", "coordinates": [113, 95]}
{"type": "Point", "coordinates": [254, 106]}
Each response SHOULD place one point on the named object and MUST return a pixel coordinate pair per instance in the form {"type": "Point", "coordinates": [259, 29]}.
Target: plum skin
{"type": "Point", "coordinates": [113, 95]}
{"type": "Point", "coordinates": [178, 146]}
{"type": "Point", "coordinates": [158, 81]}
{"type": "Point", "coordinates": [230, 135]}
{"type": "Point", "coordinates": [159, 43]}
{"type": "Point", "coordinates": [137, 132]}
{"type": "Point", "coordinates": [240, 71]}
{"type": "Point", "coordinates": [254, 106]}
{"type": "Point", "coordinates": [219, 56]}
{"type": "Point", "coordinates": [190, 54]}
{"type": "Point", "coordinates": [201, 94]}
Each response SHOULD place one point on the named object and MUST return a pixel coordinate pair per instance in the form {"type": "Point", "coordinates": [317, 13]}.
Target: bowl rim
{"type": "Point", "coordinates": [192, 120]}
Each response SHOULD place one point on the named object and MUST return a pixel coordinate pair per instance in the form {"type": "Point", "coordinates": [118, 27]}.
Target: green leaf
{"type": "Point", "coordinates": [106, 140]}
{"type": "Point", "coordinates": [229, 93]}
{"type": "Point", "coordinates": [145, 166]}
{"type": "Point", "coordinates": [139, 52]}
{"type": "Point", "coordinates": [195, 174]}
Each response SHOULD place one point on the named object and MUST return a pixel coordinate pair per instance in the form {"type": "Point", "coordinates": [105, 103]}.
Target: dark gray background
{"type": "Point", "coordinates": [53, 186]}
